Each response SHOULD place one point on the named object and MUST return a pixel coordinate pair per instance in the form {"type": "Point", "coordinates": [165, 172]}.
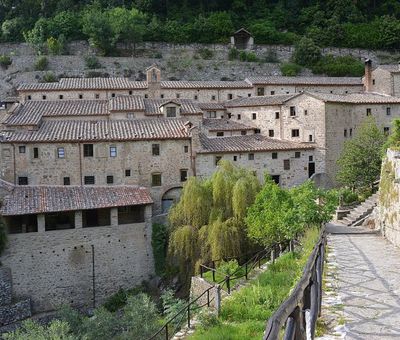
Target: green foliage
{"type": "Point", "coordinates": [92, 62]}
{"type": "Point", "coordinates": [346, 66]}
{"type": "Point", "coordinates": [11, 29]}
{"type": "Point", "coordinates": [361, 157]}
{"type": "Point", "coordinates": [159, 241]}
{"type": "Point", "coordinates": [247, 56]}
{"type": "Point", "coordinates": [348, 196]}
{"type": "Point", "coordinates": [41, 63]}
{"type": "Point", "coordinates": [307, 53]}
{"type": "Point", "coordinates": [56, 46]}
{"type": "Point", "coordinates": [206, 53]}
{"type": "Point", "coordinates": [290, 69]}
{"type": "Point", "coordinates": [229, 267]}
{"type": "Point", "coordinates": [207, 319]}
{"type": "Point", "coordinates": [3, 234]}
{"type": "Point", "coordinates": [172, 306]}
{"type": "Point", "coordinates": [233, 54]}
{"type": "Point", "coordinates": [393, 140]}
{"type": "Point", "coordinates": [271, 57]}
{"type": "Point", "coordinates": [49, 77]}
{"type": "Point", "coordinates": [5, 60]}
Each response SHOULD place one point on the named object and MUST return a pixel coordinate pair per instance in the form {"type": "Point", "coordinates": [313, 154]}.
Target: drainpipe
{"type": "Point", "coordinates": [80, 163]}
{"type": "Point", "coordinates": [14, 162]}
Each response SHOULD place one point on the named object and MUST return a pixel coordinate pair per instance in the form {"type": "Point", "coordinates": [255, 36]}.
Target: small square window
{"type": "Point", "coordinates": [44, 97]}
{"type": "Point", "coordinates": [162, 96]}
{"type": "Point", "coordinates": [368, 111]}
{"type": "Point", "coordinates": [254, 116]}
{"type": "Point", "coordinates": [386, 130]}
{"type": "Point", "coordinates": [186, 149]}
{"type": "Point", "coordinates": [130, 115]}
{"type": "Point", "coordinates": [217, 159]}
{"type": "Point", "coordinates": [128, 173]}
{"type": "Point", "coordinates": [35, 152]}
{"type": "Point", "coordinates": [260, 91]}
{"type": "Point", "coordinates": [388, 111]}
{"type": "Point", "coordinates": [373, 81]}
{"type": "Point", "coordinates": [89, 180]}
{"type": "Point", "coordinates": [87, 150]}
{"type": "Point", "coordinates": [60, 96]}
{"type": "Point", "coordinates": [286, 164]}
{"type": "Point", "coordinates": [184, 174]}
{"type": "Point", "coordinates": [156, 180]}
{"type": "Point", "coordinates": [171, 111]}
{"type": "Point", "coordinates": [243, 133]}
{"type": "Point", "coordinates": [29, 97]}
{"type": "Point", "coordinates": [239, 116]}
{"type": "Point", "coordinates": [212, 97]}
{"type": "Point", "coordinates": [22, 180]}
{"type": "Point", "coordinates": [80, 96]}
{"type": "Point", "coordinates": [274, 155]}
{"type": "Point", "coordinates": [155, 149]}
{"type": "Point", "coordinates": [112, 95]}
{"type": "Point", "coordinates": [351, 132]}
{"type": "Point", "coordinates": [230, 95]}
{"type": "Point", "coordinates": [110, 179]}
{"type": "Point", "coordinates": [113, 151]}
{"type": "Point", "coordinates": [310, 138]}
{"type": "Point", "coordinates": [234, 158]}
{"type": "Point", "coordinates": [345, 132]}
{"type": "Point", "coordinates": [257, 131]}
{"type": "Point", "coordinates": [305, 112]}
{"type": "Point", "coordinates": [22, 149]}
{"type": "Point", "coordinates": [196, 97]}
{"type": "Point", "coordinates": [146, 96]}
{"type": "Point", "coordinates": [310, 158]}
{"type": "Point", "coordinates": [67, 181]}
{"type": "Point", "coordinates": [60, 152]}
{"type": "Point", "coordinates": [97, 96]}
{"type": "Point", "coordinates": [295, 132]}
{"type": "Point", "coordinates": [271, 133]}
{"type": "Point", "coordinates": [272, 93]}
{"type": "Point", "coordinates": [249, 95]}
{"type": "Point", "coordinates": [130, 92]}
{"type": "Point", "coordinates": [220, 134]}
{"type": "Point", "coordinates": [212, 114]}
{"type": "Point", "coordinates": [276, 115]}
{"type": "Point", "coordinates": [251, 156]}
{"type": "Point", "coordinates": [297, 154]}
{"type": "Point", "coordinates": [178, 95]}
{"type": "Point", "coordinates": [292, 111]}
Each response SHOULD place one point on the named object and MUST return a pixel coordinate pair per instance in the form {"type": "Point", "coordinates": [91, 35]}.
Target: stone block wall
{"type": "Point", "coordinates": [198, 286]}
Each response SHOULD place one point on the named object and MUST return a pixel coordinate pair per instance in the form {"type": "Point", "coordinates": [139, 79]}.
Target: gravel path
{"type": "Point", "coordinates": [362, 293]}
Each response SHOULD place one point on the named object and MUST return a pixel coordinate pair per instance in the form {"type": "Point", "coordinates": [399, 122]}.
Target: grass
{"type": "Point", "coordinates": [244, 315]}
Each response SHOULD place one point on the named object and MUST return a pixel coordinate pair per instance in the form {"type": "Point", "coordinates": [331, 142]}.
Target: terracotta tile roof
{"type": "Point", "coordinates": [85, 84]}
{"type": "Point", "coordinates": [393, 68]}
{"type": "Point", "coordinates": [6, 185]}
{"type": "Point", "coordinates": [101, 130]}
{"type": "Point", "coordinates": [281, 80]}
{"type": "Point", "coordinates": [45, 199]}
{"type": "Point", "coordinates": [31, 112]}
{"type": "Point", "coordinates": [183, 84]}
{"type": "Point", "coordinates": [356, 98]}
{"type": "Point", "coordinates": [127, 103]}
{"type": "Point", "coordinates": [248, 143]}
{"type": "Point", "coordinates": [211, 106]}
{"type": "Point", "coordinates": [259, 101]}
{"type": "Point", "coordinates": [224, 125]}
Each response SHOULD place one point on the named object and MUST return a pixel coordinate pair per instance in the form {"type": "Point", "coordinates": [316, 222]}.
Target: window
{"type": "Point", "coordinates": [113, 95]}
{"type": "Point", "coordinates": [260, 91]}
{"type": "Point", "coordinates": [254, 116]}
{"type": "Point", "coordinates": [171, 111]}
{"type": "Point", "coordinates": [29, 97]}
{"type": "Point", "coordinates": [249, 95]}
{"type": "Point", "coordinates": [368, 111]}
{"type": "Point", "coordinates": [251, 156]}
{"type": "Point", "coordinates": [146, 95]}
{"type": "Point", "coordinates": [184, 174]}
{"type": "Point", "coordinates": [217, 159]}
{"type": "Point", "coordinates": [239, 116]}
{"type": "Point", "coordinates": [155, 149]}
{"type": "Point", "coordinates": [87, 150]}
{"type": "Point", "coordinates": [276, 115]}
{"type": "Point", "coordinates": [44, 97]}
{"type": "Point", "coordinates": [212, 97]}
{"type": "Point", "coordinates": [345, 133]}
{"type": "Point", "coordinates": [67, 181]}
{"type": "Point", "coordinates": [351, 132]}
{"type": "Point", "coordinates": [156, 180]}
{"type": "Point", "coordinates": [89, 180]}
{"type": "Point", "coordinates": [295, 132]}
{"type": "Point", "coordinates": [110, 179]}
{"type": "Point", "coordinates": [257, 131]}
{"type": "Point", "coordinates": [130, 92]}
{"type": "Point", "coordinates": [234, 158]}
{"type": "Point", "coordinates": [297, 154]}
{"type": "Point", "coordinates": [276, 178]}
{"type": "Point", "coordinates": [373, 81]}
{"type": "Point", "coordinates": [388, 111]}
{"type": "Point", "coordinates": [22, 180]}
{"type": "Point", "coordinates": [178, 95]}
{"type": "Point", "coordinates": [60, 96]}
{"type": "Point", "coordinates": [186, 149]}
{"type": "Point", "coordinates": [243, 133]}
{"type": "Point", "coordinates": [60, 153]}
{"type": "Point", "coordinates": [274, 155]}
{"type": "Point", "coordinates": [292, 111]}
{"type": "Point", "coordinates": [130, 115]}
{"type": "Point", "coordinates": [220, 134]}
{"type": "Point", "coordinates": [131, 214]}
{"type": "Point", "coordinates": [128, 173]}
{"type": "Point", "coordinates": [35, 152]}
{"type": "Point", "coordinates": [230, 96]}
{"type": "Point", "coordinates": [196, 97]}
{"type": "Point", "coordinates": [310, 158]}
{"type": "Point", "coordinates": [80, 96]}
{"type": "Point", "coordinates": [271, 133]}
{"type": "Point", "coordinates": [286, 164]}
{"type": "Point", "coordinates": [272, 93]}
{"type": "Point", "coordinates": [386, 130]}
{"type": "Point", "coordinates": [97, 96]}
{"type": "Point", "coordinates": [22, 149]}
{"type": "Point", "coordinates": [113, 151]}
{"type": "Point", "coordinates": [162, 96]}
{"type": "Point", "coordinates": [305, 112]}
{"type": "Point", "coordinates": [212, 114]}
{"type": "Point", "coordinates": [310, 138]}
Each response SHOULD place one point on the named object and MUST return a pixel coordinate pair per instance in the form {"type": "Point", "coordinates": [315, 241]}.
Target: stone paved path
{"type": "Point", "coordinates": [362, 293]}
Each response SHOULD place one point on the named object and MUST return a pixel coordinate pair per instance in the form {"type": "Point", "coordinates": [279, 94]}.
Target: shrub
{"type": "Point", "coordinates": [208, 319]}
{"type": "Point", "coordinates": [158, 55]}
{"type": "Point", "coordinates": [5, 60]}
{"type": "Point", "coordinates": [346, 66]}
{"type": "Point", "coordinates": [348, 196]}
{"type": "Point", "coordinates": [290, 69]}
{"type": "Point", "coordinates": [41, 63]}
{"type": "Point", "coordinates": [271, 57]}
{"type": "Point", "coordinates": [55, 46]}
{"type": "Point", "coordinates": [171, 306]}
{"type": "Point", "coordinates": [247, 56]}
{"type": "Point", "coordinates": [159, 241]}
{"type": "Point", "coordinates": [92, 62]}
{"type": "Point", "coordinates": [206, 53]}
{"type": "Point", "coordinates": [307, 53]}
{"type": "Point", "coordinates": [233, 54]}
{"type": "Point", "coordinates": [229, 267]}
{"type": "Point", "coordinates": [49, 77]}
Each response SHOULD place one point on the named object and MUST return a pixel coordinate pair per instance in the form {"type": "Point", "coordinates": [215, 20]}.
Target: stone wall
{"type": "Point", "coordinates": [55, 267]}
{"type": "Point", "coordinates": [198, 286]}
{"type": "Point", "coordinates": [388, 209]}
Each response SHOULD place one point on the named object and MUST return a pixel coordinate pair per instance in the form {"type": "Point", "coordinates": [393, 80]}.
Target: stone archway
{"type": "Point", "coordinates": [170, 197]}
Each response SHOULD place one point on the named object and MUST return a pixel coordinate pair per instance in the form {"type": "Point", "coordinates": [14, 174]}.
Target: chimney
{"type": "Point", "coordinates": [368, 76]}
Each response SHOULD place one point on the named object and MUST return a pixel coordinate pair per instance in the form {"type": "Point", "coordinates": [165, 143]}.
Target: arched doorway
{"type": "Point", "coordinates": [170, 197]}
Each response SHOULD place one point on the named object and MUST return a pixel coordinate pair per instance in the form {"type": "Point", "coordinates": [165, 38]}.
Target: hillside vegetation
{"type": "Point", "coordinates": [343, 23]}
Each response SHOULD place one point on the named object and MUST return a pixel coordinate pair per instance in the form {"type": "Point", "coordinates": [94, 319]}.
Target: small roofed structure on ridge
{"type": "Point", "coordinates": [242, 40]}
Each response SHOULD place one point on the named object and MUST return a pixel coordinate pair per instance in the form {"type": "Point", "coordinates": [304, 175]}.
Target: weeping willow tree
{"type": "Point", "coordinates": [208, 221]}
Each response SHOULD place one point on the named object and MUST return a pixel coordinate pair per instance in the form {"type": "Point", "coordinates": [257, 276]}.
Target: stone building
{"type": "Point", "coordinates": [242, 40]}
{"type": "Point", "coordinates": [383, 79]}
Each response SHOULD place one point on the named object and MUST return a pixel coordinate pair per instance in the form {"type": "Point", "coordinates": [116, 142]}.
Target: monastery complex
{"type": "Point", "coordinates": [87, 165]}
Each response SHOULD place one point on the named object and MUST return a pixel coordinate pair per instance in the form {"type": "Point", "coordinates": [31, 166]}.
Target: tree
{"type": "Point", "coordinates": [361, 157]}
{"type": "Point", "coordinates": [307, 53]}
{"type": "Point", "coordinates": [11, 30]}
{"type": "Point", "coordinates": [394, 138]}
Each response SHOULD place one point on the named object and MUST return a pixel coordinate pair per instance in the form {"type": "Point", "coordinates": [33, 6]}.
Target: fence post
{"type": "Point", "coordinates": [213, 272]}
{"type": "Point", "coordinates": [246, 271]}
{"type": "Point", "coordinates": [218, 298]}
{"type": "Point", "coordinates": [291, 246]}
{"type": "Point", "coordinates": [208, 297]}
{"type": "Point", "coordinates": [166, 332]}
{"type": "Point", "coordinates": [228, 284]}
{"type": "Point", "coordinates": [273, 255]}
{"type": "Point", "coordinates": [188, 317]}
{"type": "Point", "coordinates": [201, 271]}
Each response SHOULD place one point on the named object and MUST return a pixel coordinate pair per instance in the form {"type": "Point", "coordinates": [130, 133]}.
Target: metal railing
{"type": "Point", "coordinates": [301, 309]}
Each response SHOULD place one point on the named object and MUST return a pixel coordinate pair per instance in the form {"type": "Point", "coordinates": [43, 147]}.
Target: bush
{"type": "Point", "coordinates": [348, 196]}
{"type": "Point", "coordinates": [206, 54]}
{"type": "Point", "coordinates": [159, 241]}
{"type": "Point", "coordinates": [233, 54]}
{"type": "Point", "coordinates": [92, 62]}
{"type": "Point", "coordinates": [271, 57]}
{"type": "Point", "coordinates": [49, 77]}
{"type": "Point", "coordinates": [41, 63]}
{"type": "Point", "coordinates": [55, 46]}
{"type": "Point", "coordinates": [307, 53]}
{"type": "Point", "coordinates": [346, 66]}
{"type": "Point", "coordinates": [5, 60]}
{"type": "Point", "coordinates": [290, 69]}
{"type": "Point", "coordinates": [229, 267]}
{"type": "Point", "coordinates": [119, 299]}
{"type": "Point", "coordinates": [158, 55]}
{"type": "Point", "coordinates": [247, 56]}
